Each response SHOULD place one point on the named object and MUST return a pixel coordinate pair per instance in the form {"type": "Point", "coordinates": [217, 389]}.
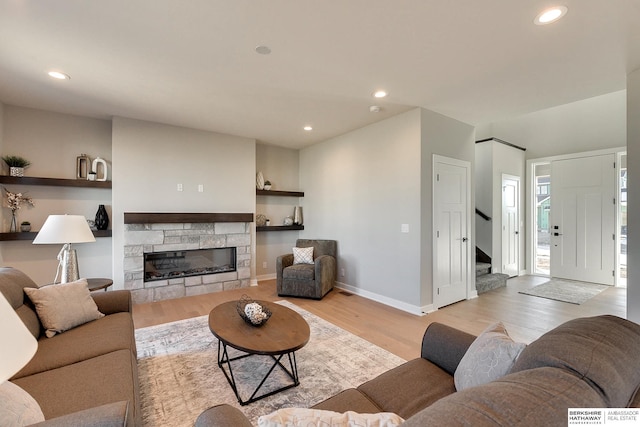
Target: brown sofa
{"type": "Point", "coordinates": [584, 363]}
{"type": "Point", "coordinates": [86, 376]}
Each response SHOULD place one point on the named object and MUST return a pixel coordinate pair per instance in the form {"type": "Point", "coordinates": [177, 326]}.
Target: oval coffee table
{"type": "Point", "coordinates": [284, 333]}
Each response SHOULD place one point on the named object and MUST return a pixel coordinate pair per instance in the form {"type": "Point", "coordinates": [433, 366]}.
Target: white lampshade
{"type": "Point", "coordinates": [64, 229]}
{"type": "Point", "coordinates": [18, 345]}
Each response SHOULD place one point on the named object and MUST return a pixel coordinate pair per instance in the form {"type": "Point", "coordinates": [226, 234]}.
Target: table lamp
{"type": "Point", "coordinates": [65, 230]}
{"type": "Point", "coordinates": [18, 345]}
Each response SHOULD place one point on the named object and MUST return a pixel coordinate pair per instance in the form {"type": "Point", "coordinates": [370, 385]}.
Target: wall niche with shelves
{"type": "Point", "coordinates": [280, 193]}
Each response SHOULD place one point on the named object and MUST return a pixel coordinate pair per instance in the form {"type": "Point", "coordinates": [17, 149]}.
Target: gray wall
{"type": "Point", "coordinates": [633, 216]}
{"type": "Point", "coordinates": [280, 166]}
{"type": "Point", "coordinates": [150, 159]}
{"type": "Point", "coordinates": [52, 141]}
{"type": "Point", "coordinates": [359, 189]}
{"type": "Point", "coordinates": [362, 186]}
{"type": "Point", "coordinates": [444, 136]}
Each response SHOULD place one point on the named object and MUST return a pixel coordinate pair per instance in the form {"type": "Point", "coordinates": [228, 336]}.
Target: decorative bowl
{"type": "Point", "coordinates": [252, 312]}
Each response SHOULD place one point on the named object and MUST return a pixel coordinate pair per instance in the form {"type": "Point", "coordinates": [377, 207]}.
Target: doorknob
{"type": "Point", "coordinates": [557, 234]}
{"type": "Point", "coordinates": [464, 239]}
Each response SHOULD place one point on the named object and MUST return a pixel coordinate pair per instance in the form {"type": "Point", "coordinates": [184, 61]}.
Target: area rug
{"type": "Point", "coordinates": [566, 291]}
{"type": "Point", "coordinates": [179, 376]}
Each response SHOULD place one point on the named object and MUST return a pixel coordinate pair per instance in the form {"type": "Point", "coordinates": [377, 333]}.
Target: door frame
{"type": "Point", "coordinates": [518, 225]}
{"type": "Point", "coordinates": [471, 278]}
{"type": "Point", "coordinates": [531, 205]}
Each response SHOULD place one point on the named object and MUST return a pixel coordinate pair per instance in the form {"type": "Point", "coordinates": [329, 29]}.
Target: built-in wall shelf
{"type": "Point", "coordinates": [279, 227]}
{"type": "Point", "coordinates": [279, 193]}
{"type": "Point", "coordinates": [30, 235]}
{"type": "Point", "coordinates": [57, 182]}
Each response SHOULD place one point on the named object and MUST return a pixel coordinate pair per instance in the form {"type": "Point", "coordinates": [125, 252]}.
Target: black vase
{"type": "Point", "coordinates": [102, 219]}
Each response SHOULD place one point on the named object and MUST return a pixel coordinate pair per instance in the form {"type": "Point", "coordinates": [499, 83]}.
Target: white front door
{"type": "Point", "coordinates": [582, 219]}
{"type": "Point", "coordinates": [451, 219]}
{"type": "Point", "coordinates": [510, 225]}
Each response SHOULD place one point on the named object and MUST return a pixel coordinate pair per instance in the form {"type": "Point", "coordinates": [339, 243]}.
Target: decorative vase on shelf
{"type": "Point", "coordinates": [297, 215]}
{"type": "Point", "coordinates": [25, 227]}
{"type": "Point", "coordinates": [102, 219]}
{"type": "Point", "coordinates": [14, 223]}
{"type": "Point", "coordinates": [260, 181]}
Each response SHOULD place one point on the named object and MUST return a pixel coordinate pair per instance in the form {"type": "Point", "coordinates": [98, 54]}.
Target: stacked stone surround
{"type": "Point", "coordinates": [144, 238]}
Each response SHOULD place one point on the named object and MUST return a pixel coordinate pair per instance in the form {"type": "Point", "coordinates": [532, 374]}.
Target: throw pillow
{"type": "Point", "coordinates": [303, 255]}
{"type": "Point", "coordinates": [300, 417]}
{"type": "Point", "coordinates": [65, 306]}
{"type": "Point", "coordinates": [17, 407]}
{"type": "Point", "coordinates": [489, 357]}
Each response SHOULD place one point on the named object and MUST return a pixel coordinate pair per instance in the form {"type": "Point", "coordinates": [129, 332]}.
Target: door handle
{"type": "Point", "coordinates": [464, 239]}
{"type": "Point", "coordinates": [557, 234]}
{"type": "Point", "coordinates": [517, 232]}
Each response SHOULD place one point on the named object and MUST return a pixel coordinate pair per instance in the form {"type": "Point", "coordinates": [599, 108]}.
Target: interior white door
{"type": "Point", "coordinates": [510, 225]}
{"type": "Point", "coordinates": [451, 223]}
{"type": "Point", "coordinates": [583, 219]}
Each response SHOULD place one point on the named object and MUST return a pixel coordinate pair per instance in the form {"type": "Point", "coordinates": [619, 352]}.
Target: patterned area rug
{"type": "Point", "coordinates": [566, 291]}
{"type": "Point", "coordinates": [179, 376]}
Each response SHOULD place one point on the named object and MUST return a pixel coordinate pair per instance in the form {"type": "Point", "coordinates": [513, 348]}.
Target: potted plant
{"type": "Point", "coordinates": [25, 226]}
{"type": "Point", "coordinates": [267, 185]}
{"type": "Point", "coordinates": [16, 164]}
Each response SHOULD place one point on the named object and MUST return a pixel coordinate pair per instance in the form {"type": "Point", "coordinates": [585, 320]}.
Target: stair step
{"type": "Point", "coordinates": [489, 282]}
{"type": "Point", "coordinates": [482, 268]}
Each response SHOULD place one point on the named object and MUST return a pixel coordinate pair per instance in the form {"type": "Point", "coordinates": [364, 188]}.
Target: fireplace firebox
{"type": "Point", "coordinates": [184, 263]}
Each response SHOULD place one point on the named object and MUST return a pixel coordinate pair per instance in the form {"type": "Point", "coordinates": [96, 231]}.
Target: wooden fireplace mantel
{"type": "Point", "coordinates": [193, 217]}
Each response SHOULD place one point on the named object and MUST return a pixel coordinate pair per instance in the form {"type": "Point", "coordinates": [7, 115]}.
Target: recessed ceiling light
{"type": "Point", "coordinates": [380, 94]}
{"type": "Point", "coordinates": [58, 75]}
{"type": "Point", "coordinates": [308, 128]}
{"type": "Point", "coordinates": [263, 50]}
{"type": "Point", "coordinates": [550, 15]}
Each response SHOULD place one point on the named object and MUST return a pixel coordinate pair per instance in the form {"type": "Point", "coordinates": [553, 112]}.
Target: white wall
{"type": "Point", "coordinates": [52, 141]}
{"type": "Point", "coordinates": [446, 137]}
{"type": "Point", "coordinates": [150, 159]}
{"type": "Point", "coordinates": [590, 124]}
{"type": "Point", "coordinates": [359, 188]}
{"type": "Point", "coordinates": [633, 216]}
{"type": "Point", "coordinates": [281, 167]}
{"type": "Point", "coordinates": [506, 160]}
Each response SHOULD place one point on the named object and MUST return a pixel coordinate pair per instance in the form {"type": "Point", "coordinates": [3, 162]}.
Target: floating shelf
{"type": "Point", "coordinates": [279, 193]}
{"type": "Point", "coordinates": [279, 227]}
{"type": "Point", "coordinates": [57, 182]}
{"type": "Point", "coordinates": [30, 235]}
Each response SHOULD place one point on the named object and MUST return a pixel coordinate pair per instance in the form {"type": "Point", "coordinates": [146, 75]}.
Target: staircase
{"type": "Point", "coordinates": [485, 280]}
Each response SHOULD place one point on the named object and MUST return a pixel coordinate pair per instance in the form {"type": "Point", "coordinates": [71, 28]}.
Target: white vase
{"type": "Point", "coordinates": [260, 181]}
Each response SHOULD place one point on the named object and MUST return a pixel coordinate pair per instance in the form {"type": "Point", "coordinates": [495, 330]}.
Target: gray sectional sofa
{"type": "Point", "coordinates": [585, 363]}
{"type": "Point", "coordinates": [86, 376]}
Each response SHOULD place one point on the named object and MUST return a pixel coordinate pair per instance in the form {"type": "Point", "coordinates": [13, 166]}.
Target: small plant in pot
{"type": "Point", "coordinates": [16, 164]}
{"type": "Point", "coordinates": [25, 226]}
{"type": "Point", "coordinates": [267, 185]}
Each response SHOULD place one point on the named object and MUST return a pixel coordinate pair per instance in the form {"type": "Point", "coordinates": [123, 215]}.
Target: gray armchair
{"type": "Point", "coordinates": [308, 280]}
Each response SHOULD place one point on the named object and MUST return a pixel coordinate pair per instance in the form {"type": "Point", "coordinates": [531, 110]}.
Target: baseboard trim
{"type": "Point", "coordinates": [271, 276]}
{"type": "Point", "coordinates": [418, 311]}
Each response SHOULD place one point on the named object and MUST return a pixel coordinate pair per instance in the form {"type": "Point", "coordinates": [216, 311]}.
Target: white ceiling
{"type": "Point", "coordinates": [192, 63]}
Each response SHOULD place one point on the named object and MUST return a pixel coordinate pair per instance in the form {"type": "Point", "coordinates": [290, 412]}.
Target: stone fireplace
{"type": "Point", "coordinates": [171, 236]}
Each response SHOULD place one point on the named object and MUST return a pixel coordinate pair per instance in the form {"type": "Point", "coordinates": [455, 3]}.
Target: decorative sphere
{"type": "Point", "coordinates": [254, 313]}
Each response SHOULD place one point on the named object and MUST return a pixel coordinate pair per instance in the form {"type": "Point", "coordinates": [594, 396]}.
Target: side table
{"type": "Point", "coordinates": [95, 284]}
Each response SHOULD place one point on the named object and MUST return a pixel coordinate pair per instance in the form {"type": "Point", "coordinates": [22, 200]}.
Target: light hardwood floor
{"type": "Point", "coordinates": [526, 317]}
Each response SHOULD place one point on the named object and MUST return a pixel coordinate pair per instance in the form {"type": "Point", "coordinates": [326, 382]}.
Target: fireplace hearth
{"type": "Point", "coordinates": [185, 263]}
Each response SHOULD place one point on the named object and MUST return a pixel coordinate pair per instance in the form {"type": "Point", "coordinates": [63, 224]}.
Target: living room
{"type": "Point", "coordinates": [363, 180]}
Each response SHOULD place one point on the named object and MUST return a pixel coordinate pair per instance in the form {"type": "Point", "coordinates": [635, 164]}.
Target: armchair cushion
{"type": "Point", "coordinates": [299, 271]}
